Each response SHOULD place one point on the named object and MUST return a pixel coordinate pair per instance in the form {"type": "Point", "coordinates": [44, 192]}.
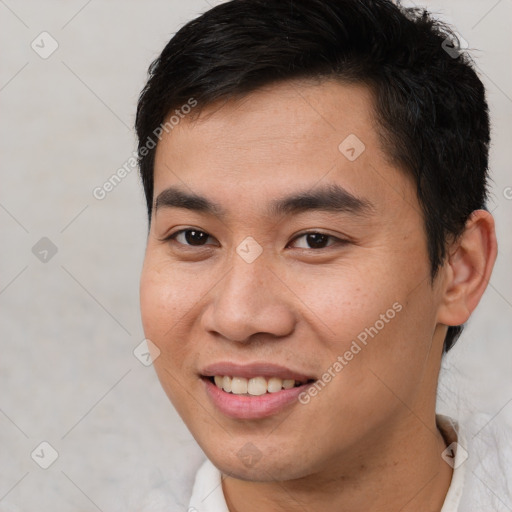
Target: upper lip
{"type": "Point", "coordinates": [256, 369]}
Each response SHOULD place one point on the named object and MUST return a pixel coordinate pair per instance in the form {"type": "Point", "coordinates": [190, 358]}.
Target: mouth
{"type": "Point", "coordinates": [253, 391]}
{"type": "Point", "coordinates": [255, 386]}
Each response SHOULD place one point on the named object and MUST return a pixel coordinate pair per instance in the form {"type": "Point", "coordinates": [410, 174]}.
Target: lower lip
{"type": "Point", "coordinates": [252, 407]}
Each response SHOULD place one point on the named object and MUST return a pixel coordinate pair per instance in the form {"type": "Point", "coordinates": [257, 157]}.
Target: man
{"type": "Point", "coordinates": [315, 174]}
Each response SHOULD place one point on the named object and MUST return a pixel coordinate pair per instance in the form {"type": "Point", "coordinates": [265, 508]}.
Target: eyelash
{"type": "Point", "coordinates": [338, 241]}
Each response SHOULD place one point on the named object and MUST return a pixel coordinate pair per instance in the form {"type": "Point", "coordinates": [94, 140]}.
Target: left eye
{"type": "Point", "coordinates": [314, 240]}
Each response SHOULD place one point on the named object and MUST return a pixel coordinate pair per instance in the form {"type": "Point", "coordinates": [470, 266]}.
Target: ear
{"type": "Point", "coordinates": [468, 269]}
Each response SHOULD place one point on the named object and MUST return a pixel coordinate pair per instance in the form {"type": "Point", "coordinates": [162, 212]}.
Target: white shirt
{"type": "Point", "coordinates": [481, 480]}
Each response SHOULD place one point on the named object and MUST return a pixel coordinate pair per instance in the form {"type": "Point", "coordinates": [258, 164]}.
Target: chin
{"type": "Point", "coordinates": [249, 464]}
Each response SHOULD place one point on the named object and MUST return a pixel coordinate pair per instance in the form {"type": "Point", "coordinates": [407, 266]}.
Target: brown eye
{"type": "Point", "coordinates": [315, 240]}
{"type": "Point", "coordinates": [190, 237]}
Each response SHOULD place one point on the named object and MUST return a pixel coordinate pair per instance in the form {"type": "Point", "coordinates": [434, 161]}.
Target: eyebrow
{"type": "Point", "coordinates": [332, 198]}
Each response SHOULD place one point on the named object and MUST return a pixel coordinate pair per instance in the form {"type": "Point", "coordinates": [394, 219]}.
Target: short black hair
{"type": "Point", "coordinates": [430, 105]}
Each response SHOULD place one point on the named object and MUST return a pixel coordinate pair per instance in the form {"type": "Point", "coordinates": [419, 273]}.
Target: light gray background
{"type": "Point", "coordinates": [69, 326]}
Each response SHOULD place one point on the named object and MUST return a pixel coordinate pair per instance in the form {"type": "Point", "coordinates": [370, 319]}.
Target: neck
{"type": "Point", "coordinates": [401, 469]}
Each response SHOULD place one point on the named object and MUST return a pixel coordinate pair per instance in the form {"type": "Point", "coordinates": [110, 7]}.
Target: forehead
{"type": "Point", "coordinates": [283, 137]}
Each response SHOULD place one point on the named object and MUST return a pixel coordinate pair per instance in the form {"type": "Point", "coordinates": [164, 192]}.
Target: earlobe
{"type": "Point", "coordinates": [468, 269]}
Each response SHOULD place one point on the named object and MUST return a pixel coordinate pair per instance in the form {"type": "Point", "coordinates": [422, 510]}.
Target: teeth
{"type": "Point", "coordinates": [226, 384]}
{"type": "Point", "coordinates": [255, 386]}
{"type": "Point", "coordinates": [288, 383]}
{"type": "Point", "coordinates": [274, 385]}
{"type": "Point", "coordinates": [238, 385]}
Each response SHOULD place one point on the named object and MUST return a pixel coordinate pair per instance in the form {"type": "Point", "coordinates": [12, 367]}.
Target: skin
{"type": "Point", "coordinates": [368, 440]}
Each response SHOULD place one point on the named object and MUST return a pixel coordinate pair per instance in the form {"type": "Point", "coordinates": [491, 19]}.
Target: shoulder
{"type": "Point", "coordinates": [488, 466]}
{"type": "Point", "coordinates": [168, 487]}
{"type": "Point", "coordinates": [207, 495]}
{"type": "Point", "coordinates": [193, 487]}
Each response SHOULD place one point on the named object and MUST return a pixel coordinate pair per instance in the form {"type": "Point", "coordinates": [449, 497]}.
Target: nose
{"type": "Point", "coordinates": [250, 300]}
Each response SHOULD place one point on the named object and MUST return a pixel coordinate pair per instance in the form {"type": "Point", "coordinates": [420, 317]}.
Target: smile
{"type": "Point", "coordinates": [253, 391]}
{"type": "Point", "coordinates": [255, 386]}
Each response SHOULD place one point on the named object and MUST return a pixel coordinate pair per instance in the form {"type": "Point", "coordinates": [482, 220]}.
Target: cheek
{"type": "Point", "coordinates": [164, 300]}
{"type": "Point", "coordinates": [342, 300]}
{"type": "Point", "coordinates": [374, 316]}
{"type": "Point", "coordinates": [171, 298]}
{"type": "Point", "coordinates": [385, 342]}
{"type": "Point", "coordinates": [157, 301]}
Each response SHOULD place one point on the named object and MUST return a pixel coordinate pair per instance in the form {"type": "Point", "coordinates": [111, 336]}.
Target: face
{"type": "Point", "coordinates": [298, 268]}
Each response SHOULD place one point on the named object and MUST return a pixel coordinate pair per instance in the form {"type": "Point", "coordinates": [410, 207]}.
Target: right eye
{"type": "Point", "coordinates": [189, 237]}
